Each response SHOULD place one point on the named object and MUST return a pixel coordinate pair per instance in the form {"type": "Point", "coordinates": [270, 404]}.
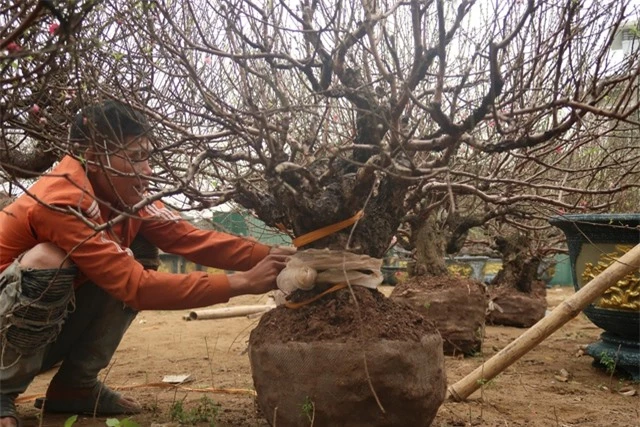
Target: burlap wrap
{"type": "Point", "coordinates": [329, 377]}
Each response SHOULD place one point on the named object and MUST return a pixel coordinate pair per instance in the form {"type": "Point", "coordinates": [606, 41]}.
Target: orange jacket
{"type": "Point", "coordinates": [59, 207]}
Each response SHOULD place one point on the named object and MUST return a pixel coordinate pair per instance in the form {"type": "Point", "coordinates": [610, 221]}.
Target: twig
{"type": "Point", "coordinates": [360, 321]}
{"type": "Point", "coordinates": [104, 379]}
{"type": "Point", "coordinates": [209, 357]}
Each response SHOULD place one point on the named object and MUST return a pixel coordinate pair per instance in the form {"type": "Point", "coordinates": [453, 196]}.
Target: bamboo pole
{"type": "Point", "coordinates": [569, 309]}
{"type": "Point", "coordinates": [225, 312]}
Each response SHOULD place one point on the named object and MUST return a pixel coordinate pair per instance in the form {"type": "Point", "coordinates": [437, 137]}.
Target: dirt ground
{"type": "Point", "coordinates": [532, 392]}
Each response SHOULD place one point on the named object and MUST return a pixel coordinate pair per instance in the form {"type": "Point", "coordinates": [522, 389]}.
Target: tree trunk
{"type": "Point", "coordinates": [429, 241]}
{"type": "Point", "coordinates": [519, 265]}
{"type": "Point", "coordinates": [341, 198]}
{"type": "Point", "coordinates": [518, 299]}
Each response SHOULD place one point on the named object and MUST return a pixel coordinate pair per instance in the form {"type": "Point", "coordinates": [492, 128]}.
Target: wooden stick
{"type": "Point", "coordinates": [195, 389]}
{"type": "Point", "coordinates": [224, 312]}
{"type": "Point", "coordinates": [569, 309]}
{"type": "Point", "coordinates": [27, 398]}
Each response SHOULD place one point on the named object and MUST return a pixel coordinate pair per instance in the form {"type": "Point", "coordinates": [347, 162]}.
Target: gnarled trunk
{"type": "Point", "coordinates": [519, 265]}
{"type": "Point", "coordinates": [433, 241]}
{"type": "Point", "coordinates": [518, 299]}
{"type": "Point", "coordinates": [429, 241]}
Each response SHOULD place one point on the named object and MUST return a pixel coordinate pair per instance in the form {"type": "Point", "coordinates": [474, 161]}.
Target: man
{"type": "Point", "coordinates": [70, 284]}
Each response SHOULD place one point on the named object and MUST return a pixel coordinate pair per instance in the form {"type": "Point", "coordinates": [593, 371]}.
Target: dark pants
{"type": "Point", "coordinates": [41, 328]}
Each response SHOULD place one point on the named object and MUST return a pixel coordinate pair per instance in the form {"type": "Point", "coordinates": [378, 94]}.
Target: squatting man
{"type": "Point", "coordinates": [68, 293]}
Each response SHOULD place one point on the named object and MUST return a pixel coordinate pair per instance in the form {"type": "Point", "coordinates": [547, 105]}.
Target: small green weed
{"type": "Point", "coordinates": [205, 411]}
{"type": "Point", "coordinates": [125, 422]}
{"type": "Point", "coordinates": [483, 382]}
{"type": "Point", "coordinates": [308, 408]}
{"type": "Point", "coordinates": [608, 362]}
{"type": "Point", "coordinates": [110, 422]}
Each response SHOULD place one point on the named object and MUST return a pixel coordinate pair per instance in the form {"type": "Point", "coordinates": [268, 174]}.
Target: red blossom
{"type": "Point", "coordinates": [13, 47]}
{"type": "Point", "coordinates": [53, 28]}
{"type": "Point", "coordinates": [35, 109]}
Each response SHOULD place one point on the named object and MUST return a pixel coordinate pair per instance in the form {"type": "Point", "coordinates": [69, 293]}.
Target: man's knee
{"type": "Point", "coordinates": [45, 256]}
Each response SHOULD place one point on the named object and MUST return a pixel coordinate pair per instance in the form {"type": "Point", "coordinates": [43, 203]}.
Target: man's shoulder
{"type": "Point", "coordinates": [66, 185]}
{"type": "Point", "coordinates": [158, 211]}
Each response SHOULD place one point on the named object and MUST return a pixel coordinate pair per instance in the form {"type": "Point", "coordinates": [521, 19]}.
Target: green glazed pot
{"type": "Point", "coordinates": [594, 241]}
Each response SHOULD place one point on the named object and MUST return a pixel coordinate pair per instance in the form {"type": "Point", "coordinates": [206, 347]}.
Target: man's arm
{"type": "Point", "coordinates": [108, 265]}
{"type": "Point", "coordinates": [172, 234]}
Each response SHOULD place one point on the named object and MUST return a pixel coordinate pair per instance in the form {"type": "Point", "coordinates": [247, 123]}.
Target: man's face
{"type": "Point", "coordinates": [122, 179]}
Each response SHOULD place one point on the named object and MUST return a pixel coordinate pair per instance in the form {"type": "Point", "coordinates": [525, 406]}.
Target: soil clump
{"type": "Point", "coordinates": [336, 317]}
{"type": "Point", "coordinates": [456, 305]}
{"type": "Point", "coordinates": [512, 307]}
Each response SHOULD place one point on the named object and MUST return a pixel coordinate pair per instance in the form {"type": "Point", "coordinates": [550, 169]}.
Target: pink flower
{"type": "Point", "coordinates": [53, 28]}
{"type": "Point", "coordinates": [207, 60]}
{"type": "Point", "coordinates": [35, 109]}
{"type": "Point", "coordinates": [13, 47]}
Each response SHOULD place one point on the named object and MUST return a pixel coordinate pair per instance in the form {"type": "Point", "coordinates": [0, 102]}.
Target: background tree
{"type": "Point", "coordinates": [39, 51]}
{"type": "Point", "coordinates": [306, 114]}
{"type": "Point", "coordinates": [311, 113]}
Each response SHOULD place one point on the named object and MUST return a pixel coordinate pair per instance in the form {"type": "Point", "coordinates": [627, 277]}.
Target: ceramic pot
{"type": "Point", "coordinates": [595, 241]}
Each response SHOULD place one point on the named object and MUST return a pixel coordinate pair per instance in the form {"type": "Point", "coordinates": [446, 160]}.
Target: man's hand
{"type": "Point", "coordinates": [262, 277]}
{"type": "Point", "coordinates": [282, 250]}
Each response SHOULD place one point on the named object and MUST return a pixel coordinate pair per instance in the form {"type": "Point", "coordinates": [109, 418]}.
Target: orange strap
{"type": "Point", "coordinates": [315, 298]}
{"type": "Point", "coordinates": [318, 234]}
{"type": "Point", "coordinates": [312, 236]}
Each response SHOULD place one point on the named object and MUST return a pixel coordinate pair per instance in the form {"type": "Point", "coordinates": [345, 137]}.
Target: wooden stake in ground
{"type": "Point", "coordinates": [569, 309]}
